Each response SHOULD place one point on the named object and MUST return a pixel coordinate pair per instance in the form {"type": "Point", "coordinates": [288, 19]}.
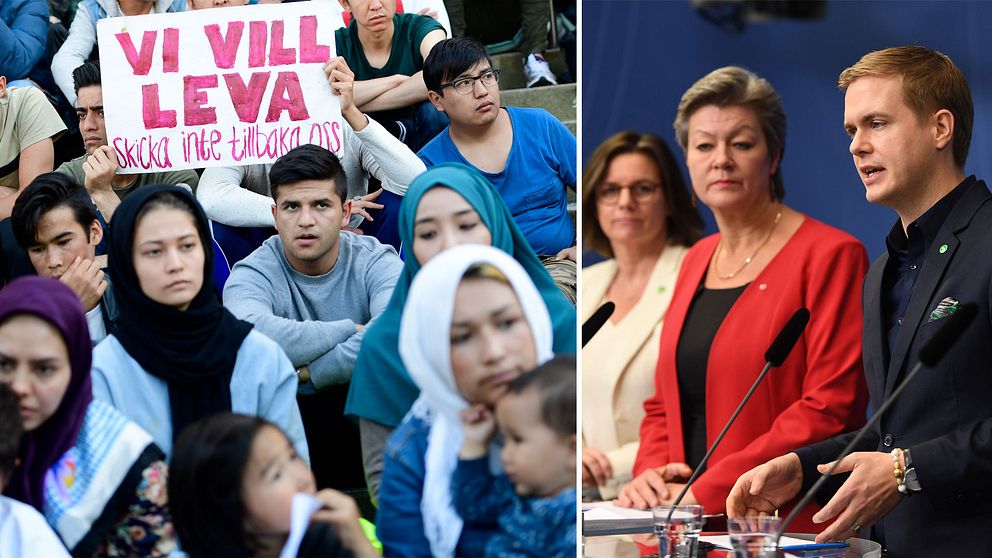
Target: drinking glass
{"type": "Point", "coordinates": [754, 537]}
{"type": "Point", "coordinates": [678, 537]}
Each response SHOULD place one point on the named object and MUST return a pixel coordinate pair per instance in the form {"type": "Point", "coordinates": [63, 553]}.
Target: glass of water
{"type": "Point", "coordinates": [678, 530]}
{"type": "Point", "coordinates": [754, 537]}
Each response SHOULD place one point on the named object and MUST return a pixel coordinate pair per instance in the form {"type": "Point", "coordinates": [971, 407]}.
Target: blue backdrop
{"type": "Point", "coordinates": [639, 57]}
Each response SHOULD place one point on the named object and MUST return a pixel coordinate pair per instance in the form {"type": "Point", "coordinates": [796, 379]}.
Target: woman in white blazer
{"type": "Point", "coordinates": [639, 214]}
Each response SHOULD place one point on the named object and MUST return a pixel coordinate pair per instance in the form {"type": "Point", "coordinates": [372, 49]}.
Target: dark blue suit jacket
{"type": "Point", "coordinates": [945, 416]}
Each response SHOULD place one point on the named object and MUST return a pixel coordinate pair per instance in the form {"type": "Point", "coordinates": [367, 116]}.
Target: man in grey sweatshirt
{"type": "Point", "coordinates": [313, 289]}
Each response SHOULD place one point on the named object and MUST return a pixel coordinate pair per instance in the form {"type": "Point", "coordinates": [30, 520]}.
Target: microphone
{"type": "Point", "coordinates": [774, 357]}
{"type": "Point", "coordinates": [930, 354]}
{"type": "Point", "coordinates": [596, 321]}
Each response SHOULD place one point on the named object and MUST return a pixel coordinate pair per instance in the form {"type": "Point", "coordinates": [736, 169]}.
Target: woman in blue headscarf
{"type": "Point", "coordinates": [448, 205]}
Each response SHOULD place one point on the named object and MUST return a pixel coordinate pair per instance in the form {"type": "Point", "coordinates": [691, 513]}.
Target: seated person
{"type": "Point", "coordinates": [80, 46]}
{"type": "Point", "coordinates": [97, 169]}
{"type": "Point", "coordinates": [23, 35]}
{"type": "Point", "coordinates": [177, 355]}
{"type": "Point", "coordinates": [386, 50]}
{"type": "Point", "coordinates": [98, 478]}
{"type": "Point", "coordinates": [473, 322]}
{"type": "Point", "coordinates": [29, 126]}
{"type": "Point", "coordinates": [239, 196]}
{"type": "Point", "coordinates": [234, 482]}
{"type": "Point", "coordinates": [534, 499]}
{"type": "Point", "coordinates": [55, 221]}
{"type": "Point", "coordinates": [23, 530]}
{"type": "Point", "coordinates": [313, 289]}
{"type": "Point", "coordinates": [527, 154]}
{"type": "Point", "coordinates": [449, 205]}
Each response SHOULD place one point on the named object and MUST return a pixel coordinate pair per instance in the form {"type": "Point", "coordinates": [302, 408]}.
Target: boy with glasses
{"type": "Point", "coordinates": [526, 153]}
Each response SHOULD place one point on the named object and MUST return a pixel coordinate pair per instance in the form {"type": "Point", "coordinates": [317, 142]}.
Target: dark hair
{"type": "Point", "coordinates": [683, 225]}
{"type": "Point", "coordinates": [205, 481]}
{"type": "Point", "coordinates": [47, 192]}
{"type": "Point", "coordinates": [555, 384]}
{"type": "Point", "coordinates": [86, 75]}
{"type": "Point", "coordinates": [173, 200]}
{"type": "Point", "coordinates": [450, 58]}
{"type": "Point", "coordinates": [11, 428]}
{"type": "Point", "coordinates": [308, 162]}
{"type": "Point", "coordinates": [170, 200]}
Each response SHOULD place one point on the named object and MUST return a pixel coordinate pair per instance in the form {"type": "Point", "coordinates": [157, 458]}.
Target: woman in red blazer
{"type": "Point", "coordinates": [736, 290]}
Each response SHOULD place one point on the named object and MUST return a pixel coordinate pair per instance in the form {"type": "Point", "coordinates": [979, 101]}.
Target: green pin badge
{"type": "Point", "coordinates": [661, 289]}
{"type": "Point", "coordinates": [943, 248]}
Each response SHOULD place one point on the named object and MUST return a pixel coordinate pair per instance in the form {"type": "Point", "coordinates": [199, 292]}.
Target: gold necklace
{"type": "Point", "coordinates": [747, 260]}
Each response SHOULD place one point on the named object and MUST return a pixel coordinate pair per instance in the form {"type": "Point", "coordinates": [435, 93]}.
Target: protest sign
{"type": "Point", "coordinates": [218, 87]}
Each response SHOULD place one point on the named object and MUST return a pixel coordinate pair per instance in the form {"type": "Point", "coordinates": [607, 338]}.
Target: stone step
{"type": "Point", "coordinates": [559, 100]}
{"type": "Point", "coordinates": [511, 67]}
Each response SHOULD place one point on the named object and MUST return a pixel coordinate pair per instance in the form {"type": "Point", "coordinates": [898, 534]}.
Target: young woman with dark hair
{"type": "Point", "coordinates": [234, 482]}
{"type": "Point", "coordinates": [97, 477]}
{"type": "Point", "coordinates": [177, 355]}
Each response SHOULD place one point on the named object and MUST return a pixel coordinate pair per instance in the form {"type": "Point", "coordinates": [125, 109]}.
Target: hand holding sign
{"type": "Point", "coordinates": [342, 81]}
{"type": "Point", "coordinates": [99, 170]}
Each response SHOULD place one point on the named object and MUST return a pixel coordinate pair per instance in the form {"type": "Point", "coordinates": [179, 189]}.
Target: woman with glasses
{"type": "Point", "coordinates": [735, 291]}
{"type": "Point", "coordinates": [639, 215]}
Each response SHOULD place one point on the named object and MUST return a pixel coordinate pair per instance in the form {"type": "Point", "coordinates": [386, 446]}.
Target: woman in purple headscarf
{"type": "Point", "coordinates": [98, 478]}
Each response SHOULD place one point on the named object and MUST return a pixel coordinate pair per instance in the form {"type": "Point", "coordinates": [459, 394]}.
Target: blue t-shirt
{"type": "Point", "coordinates": [533, 184]}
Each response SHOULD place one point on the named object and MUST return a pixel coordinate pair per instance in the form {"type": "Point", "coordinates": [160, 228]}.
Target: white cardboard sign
{"type": "Point", "coordinates": [218, 87]}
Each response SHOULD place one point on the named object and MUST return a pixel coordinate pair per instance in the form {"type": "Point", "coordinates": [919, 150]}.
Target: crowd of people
{"type": "Point", "coordinates": [693, 316]}
{"type": "Point", "coordinates": [188, 358]}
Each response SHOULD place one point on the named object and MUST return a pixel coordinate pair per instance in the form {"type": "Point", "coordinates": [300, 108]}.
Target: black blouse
{"type": "Point", "coordinates": [707, 311]}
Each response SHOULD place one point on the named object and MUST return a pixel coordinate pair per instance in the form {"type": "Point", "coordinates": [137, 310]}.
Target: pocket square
{"type": "Point", "coordinates": [946, 307]}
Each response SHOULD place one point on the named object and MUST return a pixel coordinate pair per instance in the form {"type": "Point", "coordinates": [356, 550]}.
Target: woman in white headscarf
{"type": "Point", "coordinates": [473, 322]}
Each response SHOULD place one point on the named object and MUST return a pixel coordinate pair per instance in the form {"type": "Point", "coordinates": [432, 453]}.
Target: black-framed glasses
{"type": "Point", "coordinates": [641, 192]}
{"type": "Point", "coordinates": [465, 85]}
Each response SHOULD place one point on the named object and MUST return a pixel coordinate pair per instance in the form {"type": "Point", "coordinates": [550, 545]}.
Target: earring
{"type": "Point", "coordinates": [695, 204]}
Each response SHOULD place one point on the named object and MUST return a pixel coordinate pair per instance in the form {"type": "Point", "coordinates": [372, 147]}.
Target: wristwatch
{"type": "Point", "coordinates": [912, 484]}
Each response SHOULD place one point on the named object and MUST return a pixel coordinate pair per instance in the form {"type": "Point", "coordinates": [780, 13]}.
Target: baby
{"type": "Point", "coordinates": [533, 503]}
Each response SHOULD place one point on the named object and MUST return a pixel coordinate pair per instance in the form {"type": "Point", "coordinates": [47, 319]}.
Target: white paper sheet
{"type": "Point", "coordinates": [304, 505]}
{"type": "Point", "coordinates": [610, 512]}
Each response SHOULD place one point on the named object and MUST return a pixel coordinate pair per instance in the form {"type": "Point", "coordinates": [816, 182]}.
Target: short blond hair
{"type": "Point", "coordinates": [930, 82]}
{"type": "Point", "coordinates": [683, 224]}
{"type": "Point", "coordinates": [735, 86]}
